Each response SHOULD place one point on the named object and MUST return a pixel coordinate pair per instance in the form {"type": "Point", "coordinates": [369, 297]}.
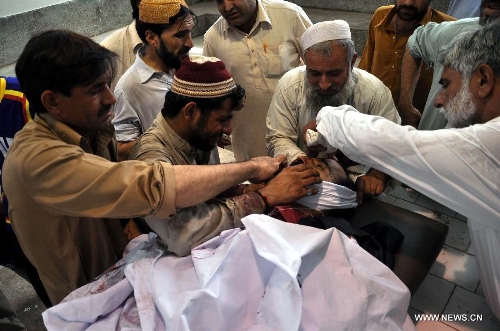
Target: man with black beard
{"type": "Point", "coordinates": [165, 29]}
{"type": "Point", "coordinates": [457, 167]}
{"type": "Point", "coordinates": [389, 30]}
{"type": "Point", "coordinates": [198, 110]}
{"type": "Point", "coordinates": [327, 79]}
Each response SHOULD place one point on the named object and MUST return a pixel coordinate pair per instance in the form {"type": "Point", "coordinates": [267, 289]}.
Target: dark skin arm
{"type": "Point", "coordinates": [410, 73]}
{"type": "Point", "coordinates": [124, 149]}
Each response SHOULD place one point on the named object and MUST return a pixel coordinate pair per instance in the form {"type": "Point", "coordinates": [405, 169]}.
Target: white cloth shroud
{"type": "Point", "coordinates": [330, 196]}
{"type": "Point", "coordinates": [270, 276]}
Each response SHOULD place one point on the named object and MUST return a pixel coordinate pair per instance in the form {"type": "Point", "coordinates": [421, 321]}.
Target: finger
{"type": "Point", "coordinates": [281, 159]}
{"type": "Point", "coordinates": [360, 186]}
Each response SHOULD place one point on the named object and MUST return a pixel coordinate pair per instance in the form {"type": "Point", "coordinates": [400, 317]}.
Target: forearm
{"type": "Point", "coordinates": [196, 184]}
{"type": "Point", "coordinates": [124, 149]}
{"type": "Point", "coordinates": [410, 73]}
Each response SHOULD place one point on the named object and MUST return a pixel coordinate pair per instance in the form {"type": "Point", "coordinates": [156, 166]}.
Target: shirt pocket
{"type": "Point", "coordinates": [280, 59]}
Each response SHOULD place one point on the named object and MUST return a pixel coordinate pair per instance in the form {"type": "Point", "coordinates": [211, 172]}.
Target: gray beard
{"type": "Point", "coordinates": [460, 111]}
{"type": "Point", "coordinates": [317, 101]}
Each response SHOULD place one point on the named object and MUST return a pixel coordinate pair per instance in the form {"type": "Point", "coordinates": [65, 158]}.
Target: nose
{"type": "Point", "coordinates": [227, 129]}
{"type": "Point", "coordinates": [109, 96]}
{"type": "Point", "coordinates": [439, 102]}
{"type": "Point", "coordinates": [407, 2]}
{"type": "Point", "coordinates": [189, 42]}
{"type": "Point", "coordinates": [227, 5]}
{"type": "Point", "coordinates": [324, 83]}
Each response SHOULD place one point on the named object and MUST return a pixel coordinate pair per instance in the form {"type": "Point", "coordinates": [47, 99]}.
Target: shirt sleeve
{"type": "Point", "coordinates": [455, 167]}
{"type": "Point", "coordinates": [75, 183]}
{"type": "Point", "coordinates": [366, 60]}
{"type": "Point", "coordinates": [192, 226]}
{"type": "Point", "coordinates": [126, 121]}
{"type": "Point", "coordinates": [282, 123]}
{"type": "Point", "coordinates": [383, 105]}
{"type": "Point", "coordinates": [427, 41]}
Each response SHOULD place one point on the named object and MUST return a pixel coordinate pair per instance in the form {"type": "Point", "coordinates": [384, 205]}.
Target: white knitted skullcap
{"type": "Point", "coordinates": [323, 31]}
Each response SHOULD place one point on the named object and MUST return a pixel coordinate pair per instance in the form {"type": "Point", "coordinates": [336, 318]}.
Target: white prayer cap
{"type": "Point", "coordinates": [323, 31]}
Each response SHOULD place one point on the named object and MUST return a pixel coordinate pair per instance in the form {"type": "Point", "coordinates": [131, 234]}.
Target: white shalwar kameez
{"type": "Point", "coordinates": [459, 168]}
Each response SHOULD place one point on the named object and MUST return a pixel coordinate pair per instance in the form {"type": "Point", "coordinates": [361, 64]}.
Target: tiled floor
{"type": "Point", "coordinates": [452, 291]}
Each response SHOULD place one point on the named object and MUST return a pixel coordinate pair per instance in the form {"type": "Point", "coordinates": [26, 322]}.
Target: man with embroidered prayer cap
{"type": "Point", "coordinates": [198, 110]}
{"type": "Point", "coordinates": [164, 27]}
{"type": "Point", "coordinates": [67, 194]}
{"type": "Point", "coordinates": [328, 78]}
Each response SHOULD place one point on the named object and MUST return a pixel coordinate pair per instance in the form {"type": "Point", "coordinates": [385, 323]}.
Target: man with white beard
{"type": "Point", "coordinates": [327, 79]}
{"type": "Point", "coordinates": [456, 167]}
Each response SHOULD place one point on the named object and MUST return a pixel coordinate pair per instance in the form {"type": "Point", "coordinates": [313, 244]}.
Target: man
{"type": "Point", "coordinates": [424, 46]}
{"type": "Point", "coordinates": [389, 30]}
{"type": "Point", "coordinates": [58, 175]}
{"type": "Point", "coordinates": [198, 110]}
{"type": "Point", "coordinates": [455, 167]}
{"type": "Point", "coordinates": [258, 40]}
{"type": "Point", "coordinates": [327, 79]}
{"type": "Point", "coordinates": [164, 27]}
{"type": "Point", "coordinates": [125, 42]}
{"type": "Point", "coordinates": [14, 113]}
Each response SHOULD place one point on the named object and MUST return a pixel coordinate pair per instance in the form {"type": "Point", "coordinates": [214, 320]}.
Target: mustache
{"type": "Point", "coordinates": [408, 7]}
{"type": "Point", "coordinates": [104, 110]}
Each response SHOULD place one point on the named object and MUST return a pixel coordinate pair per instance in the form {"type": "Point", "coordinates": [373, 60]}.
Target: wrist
{"type": "Point", "coordinates": [267, 205]}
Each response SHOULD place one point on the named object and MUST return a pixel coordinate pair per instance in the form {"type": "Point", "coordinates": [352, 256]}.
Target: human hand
{"type": "Point", "coordinates": [266, 167]}
{"type": "Point", "coordinates": [371, 184]}
{"type": "Point", "coordinates": [291, 184]}
{"type": "Point", "coordinates": [409, 115]}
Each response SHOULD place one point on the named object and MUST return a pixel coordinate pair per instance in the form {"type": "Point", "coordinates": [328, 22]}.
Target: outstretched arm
{"type": "Point", "coordinates": [196, 184]}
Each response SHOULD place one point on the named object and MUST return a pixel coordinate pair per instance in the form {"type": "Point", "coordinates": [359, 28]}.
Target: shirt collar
{"type": "Point", "coordinates": [144, 71]}
{"type": "Point", "coordinates": [70, 136]}
{"type": "Point", "coordinates": [386, 22]}
{"type": "Point", "coordinates": [262, 17]}
{"type": "Point", "coordinates": [181, 145]}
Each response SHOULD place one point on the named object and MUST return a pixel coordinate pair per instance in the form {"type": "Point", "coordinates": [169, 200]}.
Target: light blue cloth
{"type": "Point", "coordinates": [140, 94]}
{"type": "Point", "coordinates": [464, 8]}
{"type": "Point", "coordinates": [425, 43]}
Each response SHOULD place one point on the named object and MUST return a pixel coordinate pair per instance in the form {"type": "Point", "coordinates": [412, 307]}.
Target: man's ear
{"type": "Point", "coordinates": [354, 58]}
{"type": "Point", "coordinates": [152, 38]}
{"type": "Point", "coordinates": [484, 81]}
{"type": "Point", "coordinates": [190, 111]}
{"type": "Point", "coordinates": [49, 101]}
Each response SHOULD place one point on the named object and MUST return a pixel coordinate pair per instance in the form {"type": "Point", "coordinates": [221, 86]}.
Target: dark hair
{"type": "Point", "coordinates": [142, 27]}
{"type": "Point", "coordinates": [135, 9]}
{"type": "Point", "coordinates": [59, 60]}
{"type": "Point", "coordinates": [175, 102]}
